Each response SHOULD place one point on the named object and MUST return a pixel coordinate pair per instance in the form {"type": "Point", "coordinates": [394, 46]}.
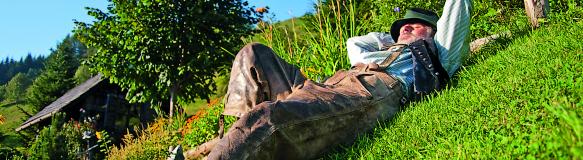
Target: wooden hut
{"type": "Point", "coordinates": [98, 102]}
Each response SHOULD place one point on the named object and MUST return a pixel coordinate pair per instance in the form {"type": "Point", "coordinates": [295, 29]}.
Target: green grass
{"type": "Point", "coordinates": [522, 102]}
{"type": "Point", "coordinates": [192, 108]}
{"type": "Point", "coordinates": [316, 43]}
{"type": "Point", "coordinates": [13, 118]}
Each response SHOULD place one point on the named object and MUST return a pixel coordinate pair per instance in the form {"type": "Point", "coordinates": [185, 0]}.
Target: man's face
{"type": "Point", "coordinates": [412, 32]}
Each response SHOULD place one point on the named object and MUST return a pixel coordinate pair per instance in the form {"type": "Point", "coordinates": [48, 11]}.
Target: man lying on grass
{"type": "Point", "coordinates": [283, 115]}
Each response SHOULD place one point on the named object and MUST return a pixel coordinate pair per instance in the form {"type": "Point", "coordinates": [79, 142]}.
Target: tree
{"type": "Point", "coordinates": [159, 50]}
{"type": "Point", "coordinates": [57, 76]}
{"type": "Point", "coordinates": [9, 67]}
{"type": "Point", "coordinates": [82, 74]}
{"type": "Point", "coordinates": [28, 61]}
{"type": "Point", "coordinates": [16, 87]}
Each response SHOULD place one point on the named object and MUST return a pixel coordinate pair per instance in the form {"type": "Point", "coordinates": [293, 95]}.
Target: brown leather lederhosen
{"type": "Point", "coordinates": [285, 116]}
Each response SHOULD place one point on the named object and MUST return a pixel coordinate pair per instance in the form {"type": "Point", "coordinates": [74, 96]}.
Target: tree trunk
{"type": "Point", "coordinates": [171, 102]}
{"type": "Point", "coordinates": [536, 9]}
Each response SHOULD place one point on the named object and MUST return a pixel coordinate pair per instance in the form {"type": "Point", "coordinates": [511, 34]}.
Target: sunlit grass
{"type": "Point", "coordinates": [13, 117]}
{"type": "Point", "coordinates": [320, 50]}
{"type": "Point", "coordinates": [523, 102]}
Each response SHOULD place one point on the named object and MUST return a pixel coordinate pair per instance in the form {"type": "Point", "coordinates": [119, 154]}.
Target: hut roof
{"type": "Point", "coordinates": [63, 101]}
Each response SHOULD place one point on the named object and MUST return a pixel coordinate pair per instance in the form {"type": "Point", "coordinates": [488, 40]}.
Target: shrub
{"type": "Point", "coordinates": [203, 126]}
{"type": "Point", "coordinates": [154, 141]}
{"type": "Point", "coordinates": [150, 143]}
{"type": "Point", "coordinates": [60, 140]}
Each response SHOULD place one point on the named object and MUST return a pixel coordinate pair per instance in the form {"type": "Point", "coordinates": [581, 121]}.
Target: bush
{"type": "Point", "coordinates": [203, 126]}
{"type": "Point", "coordinates": [150, 143]}
{"type": "Point", "coordinates": [60, 140]}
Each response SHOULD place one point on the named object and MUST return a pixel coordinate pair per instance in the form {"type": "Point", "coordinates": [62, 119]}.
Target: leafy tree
{"type": "Point", "coordinates": [82, 74]}
{"type": "Point", "coordinates": [159, 50]}
{"type": "Point", "coordinates": [57, 76]}
{"type": "Point", "coordinates": [16, 88]}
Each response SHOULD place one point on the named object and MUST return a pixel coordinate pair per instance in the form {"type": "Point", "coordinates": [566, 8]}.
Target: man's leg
{"type": "Point", "coordinates": [258, 75]}
{"type": "Point", "coordinates": [313, 119]}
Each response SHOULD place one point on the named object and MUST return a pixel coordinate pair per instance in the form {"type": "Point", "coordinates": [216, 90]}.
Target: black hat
{"type": "Point", "coordinates": [414, 15]}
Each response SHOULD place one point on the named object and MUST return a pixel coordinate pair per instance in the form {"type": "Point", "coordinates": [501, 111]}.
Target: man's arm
{"type": "Point", "coordinates": [372, 44]}
{"type": "Point", "coordinates": [452, 37]}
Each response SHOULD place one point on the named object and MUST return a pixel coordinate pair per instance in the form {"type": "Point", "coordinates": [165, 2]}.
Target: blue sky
{"type": "Point", "coordinates": [28, 26]}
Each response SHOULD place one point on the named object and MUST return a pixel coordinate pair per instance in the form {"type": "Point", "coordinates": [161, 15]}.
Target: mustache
{"type": "Point", "coordinates": [409, 33]}
{"type": "Point", "coordinates": [407, 38]}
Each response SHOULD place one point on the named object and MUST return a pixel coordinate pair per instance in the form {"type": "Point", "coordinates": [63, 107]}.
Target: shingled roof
{"type": "Point", "coordinates": [63, 101]}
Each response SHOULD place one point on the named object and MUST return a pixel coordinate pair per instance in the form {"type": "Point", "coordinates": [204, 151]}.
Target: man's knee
{"type": "Point", "coordinates": [253, 50]}
{"type": "Point", "coordinates": [246, 136]}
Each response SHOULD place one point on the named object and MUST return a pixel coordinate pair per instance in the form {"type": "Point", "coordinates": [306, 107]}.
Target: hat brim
{"type": "Point", "coordinates": [396, 26]}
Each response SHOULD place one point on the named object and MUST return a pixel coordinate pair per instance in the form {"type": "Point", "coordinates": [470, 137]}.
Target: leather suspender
{"type": "Point", "coordinates": [383, 65]}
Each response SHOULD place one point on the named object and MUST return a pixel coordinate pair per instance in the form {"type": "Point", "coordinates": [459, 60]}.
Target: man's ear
{"type": "Point", "coordinates": [433, 31]}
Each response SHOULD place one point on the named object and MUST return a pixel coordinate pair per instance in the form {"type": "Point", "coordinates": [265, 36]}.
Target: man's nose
{"type": "Point", "coordinates": [407, 28]}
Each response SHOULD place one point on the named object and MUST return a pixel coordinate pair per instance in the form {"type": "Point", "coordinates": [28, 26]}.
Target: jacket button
{"type": "Point", "coordinates": [403, 100]}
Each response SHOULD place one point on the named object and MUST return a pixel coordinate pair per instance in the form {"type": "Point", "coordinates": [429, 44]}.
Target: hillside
{"type": "Point", "coordinates": [524, 101]}
{"type": "Point", "coordinates": [13, 118]}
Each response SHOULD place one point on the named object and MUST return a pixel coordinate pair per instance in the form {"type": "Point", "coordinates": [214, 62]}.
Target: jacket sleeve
{"type": "Point", "coordinates": [372, 44]}
{"type": "Point", "coordinates": [452, 36]}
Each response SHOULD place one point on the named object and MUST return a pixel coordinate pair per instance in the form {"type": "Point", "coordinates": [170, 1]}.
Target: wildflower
{"type": "Point", "coordinates": [98, 134]}
{"type": "Point", "coordinates": [397, 9]}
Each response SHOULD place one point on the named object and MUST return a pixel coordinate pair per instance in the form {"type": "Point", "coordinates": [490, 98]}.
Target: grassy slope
{"type": "Point", "coordinates": [522, 102]}
{"type": "Point", "coordinates": [13, 119]}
